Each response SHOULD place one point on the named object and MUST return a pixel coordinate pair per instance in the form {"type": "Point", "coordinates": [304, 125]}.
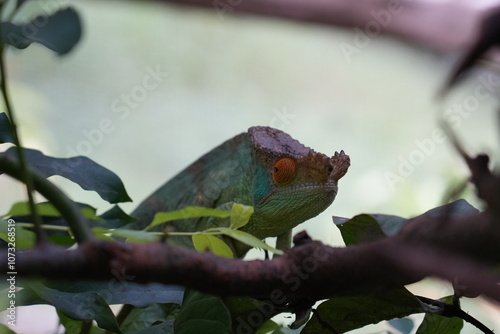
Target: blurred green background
{"type": "Point", "coordinates": [219, 76]}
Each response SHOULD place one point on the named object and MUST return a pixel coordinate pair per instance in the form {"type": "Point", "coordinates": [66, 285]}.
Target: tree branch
{"type": "Point", "coordinates": [444, 26]}
{"type": "Point", "coordinates": [309, 271]}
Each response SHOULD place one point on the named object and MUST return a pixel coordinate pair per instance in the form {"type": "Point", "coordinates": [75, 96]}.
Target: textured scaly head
{"type": "Point", "coordinates": [292, 182]}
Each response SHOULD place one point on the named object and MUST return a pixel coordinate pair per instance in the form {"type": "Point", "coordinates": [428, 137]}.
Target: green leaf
{"type": "Point", "coordinates": [4, 329]}
{"type": "Point", "coordinates": [166, 327]}
{"type": "Point", "coordinates": [134, 235]}
{"type": "Point", "coordinates": [6, 135]}
{"type": "Point", "coordinates": [89, 305]}
{"type": "Point", "coordinates": [368, 227]}
{"type": "Point", "coordinates": [240, 215]}
{"type": "Point", "coordinates": [202, 313]}
{"type": "Point", "coordinates": [187, 212]}
{"type": "Point", "coordinates": [47, 209]}
{"type": "Point", "coordinates": [62, 240]}
{"type": "Point", "coordinates": [348, 313]}
{"type": "Point", "coordinates": [140, 320]}
{"type": "Point", "coordinates": [23, 296]}
{"type": "Point", "coordinates": [434, 323]}
{"type": "Point", "coordinates": [361, 228]}
{"type": "Point", "coordinates": [102, 233]}
{"type": "Point", "coordinates": [204, 242]}
{"type": "Point", "coordinates": [121, 290]}
{"type": "Point", "coordinates": [22, 238]}
{"type": "Point", "coordinates": [245, 238]}
{"type": "Point", "coordinates": [81, 170]}
{"type": "Point", "coordinates": [73, 326]}
{"type": "Point", "coordinates": [59, 32]}
{"type": "Point", "coordinates": [267, 327]}
{"type": "Point", "coordinates": [456, 208]}
{"type": "Point", "coordinates": [114, 218]}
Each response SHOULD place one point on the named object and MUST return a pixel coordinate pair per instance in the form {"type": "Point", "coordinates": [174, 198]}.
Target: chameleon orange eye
{"type": "Point", "coordinates": [284, 170]}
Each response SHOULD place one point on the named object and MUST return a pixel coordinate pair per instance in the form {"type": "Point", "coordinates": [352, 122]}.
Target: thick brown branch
{"type": "Point", "coordinates": [442, 26]}
{"type": "Point", "coordinates": [309, 271]}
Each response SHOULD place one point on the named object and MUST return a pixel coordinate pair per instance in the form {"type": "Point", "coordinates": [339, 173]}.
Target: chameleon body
{"type": "Point", "coordinates": [285, 181]}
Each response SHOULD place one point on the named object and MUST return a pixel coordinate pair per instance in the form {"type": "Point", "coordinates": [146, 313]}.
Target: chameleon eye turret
{"type": "Point", "coordinates": [284, 170]}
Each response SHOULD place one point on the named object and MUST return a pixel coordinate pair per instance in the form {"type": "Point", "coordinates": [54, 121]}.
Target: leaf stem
{"type": "Point", "coordinates": [25, 175]}
{"type": "Point", "coordinates": [46, 227]}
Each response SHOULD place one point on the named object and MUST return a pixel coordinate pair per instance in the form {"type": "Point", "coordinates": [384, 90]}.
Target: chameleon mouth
{"type": "Point", "coordinates": [303, 191]}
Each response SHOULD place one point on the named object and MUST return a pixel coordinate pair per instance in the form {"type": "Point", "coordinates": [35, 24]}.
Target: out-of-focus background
{"type": "Point", "coordinates": [151, 87]}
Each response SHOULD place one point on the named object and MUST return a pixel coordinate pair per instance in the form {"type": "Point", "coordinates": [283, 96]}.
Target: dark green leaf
{"type": "Point", "coordinates": [434, 323]}
{"type": "Point", "coordinates": [361, 228]}
{"type": "Point", "coordinates": [47, 209]}
{"type": "Point", "coordinates": [23, 297]}
{"type": "Point", "coordinates": [89, 305]}
{"type": "Point", "coordinates": [81, 170]}
{"type": "Point", "coordinates": [62, 240]}
{"type": "Point", "coordinates": [389, 224]}
{"type": "Point", "coordinates": [166, 327]}
{"type": "Point", "coordinates": [348, 313]}
{"type": "Point", "coordinates": [369, 227]}
{"type": "Point", "coordinates": [6, 135]}
{"type": "Point", "coordinates": [115, 218]}
{"type": "Point", "coordinates": [73, 326]}
{"type": "Point", "coordinates": [202, 313]}
{"type": "Point", "coordinates": [457, 208]}
{"type": "Point", "coordinates": [23, 238]}
{"type": "Point", "coordinates": [123, 291]}
{"type": "Point", "coordinates": [267, 327]}
{"type": "Point", "coordinates": [59, 32]}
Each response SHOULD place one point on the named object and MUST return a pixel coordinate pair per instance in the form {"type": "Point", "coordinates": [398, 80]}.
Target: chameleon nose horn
{"type": "Point", "coordinates": [340, 162]}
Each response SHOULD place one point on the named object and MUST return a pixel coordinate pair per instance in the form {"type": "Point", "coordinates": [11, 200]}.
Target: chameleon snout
{"type": "Point", "coordinates": [340, 163]}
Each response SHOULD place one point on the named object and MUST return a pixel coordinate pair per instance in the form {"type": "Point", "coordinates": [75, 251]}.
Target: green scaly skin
{"type": "Point", "coordinates": [242, 170]}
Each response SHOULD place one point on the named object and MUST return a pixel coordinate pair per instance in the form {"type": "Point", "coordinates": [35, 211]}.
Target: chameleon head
{"type": "Point", "coordinates": [292, 182]}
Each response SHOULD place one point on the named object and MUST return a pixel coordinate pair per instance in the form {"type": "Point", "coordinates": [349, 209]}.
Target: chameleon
{"type": "Point", "coordinates": [286, 182]}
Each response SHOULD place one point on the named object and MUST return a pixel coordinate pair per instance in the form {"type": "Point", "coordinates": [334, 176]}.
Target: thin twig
{"type": "Point", "coordinates": [455, 311]}
{"type": "Point", "coordinates": [25, 175]}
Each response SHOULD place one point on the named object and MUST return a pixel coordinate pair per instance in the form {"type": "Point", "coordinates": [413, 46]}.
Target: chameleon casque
{"type": "Point", "coordinates": [286, 182]}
